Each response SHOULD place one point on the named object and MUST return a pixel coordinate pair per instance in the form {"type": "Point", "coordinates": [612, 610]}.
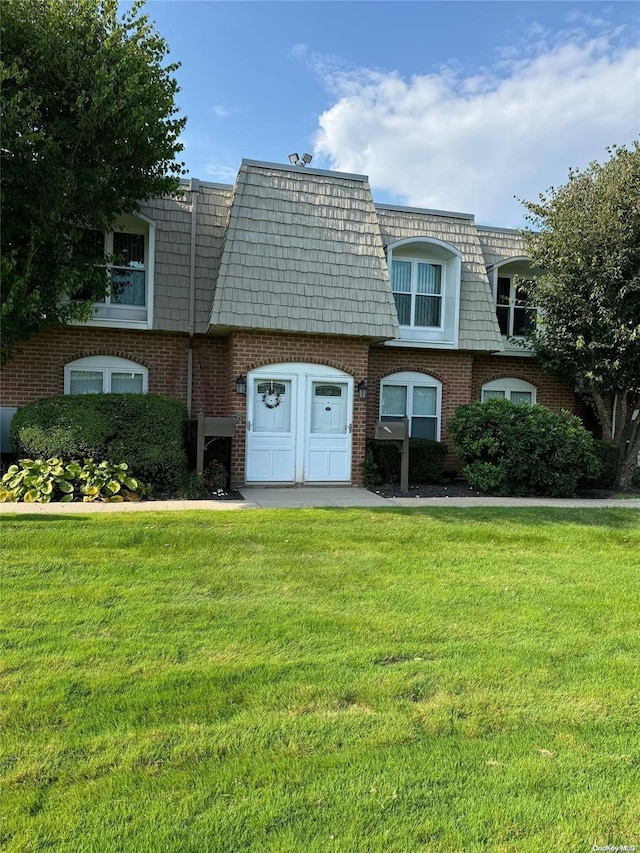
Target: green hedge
{"type": "Point", "coordinates": [518, 449]}
{"type": "Point", "coordinates": [143, 430]}
{"type": "Point", "coordinates": [382, 462]}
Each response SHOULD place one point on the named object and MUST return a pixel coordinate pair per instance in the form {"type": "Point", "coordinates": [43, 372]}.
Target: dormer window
{"type": "Point", "coordinates": [417, 290]}
{"type": "Point", "coordinates": [515, 314]}
{"type": "Point", "coordinates": [128, 302]}
{"type": "Point", "coordinates": [425, 281]}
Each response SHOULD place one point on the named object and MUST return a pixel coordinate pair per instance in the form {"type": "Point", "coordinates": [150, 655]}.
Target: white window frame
{"type": "Point", "coordinates": [113, 314]}
{"type": "Point", "coordinates": [105, 364]}
{"type": "Point", "coordinates": [411, 380]}
{"type": "Point", "coordinates": [413, 294]}
{"type": "Point", "coordinates": [431, 251]}
{"type": "Point", "coordinates": [509, 385]}
{"type": "Point", "coordinates": [510, 341]}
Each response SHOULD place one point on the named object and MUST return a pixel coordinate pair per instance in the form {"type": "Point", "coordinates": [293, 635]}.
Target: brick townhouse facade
{"type": "Point", "coordinates": [334, 313]}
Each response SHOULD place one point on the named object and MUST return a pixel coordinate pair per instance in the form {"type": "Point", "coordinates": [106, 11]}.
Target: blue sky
{"type": "Point", "coordinates": [449, 105]}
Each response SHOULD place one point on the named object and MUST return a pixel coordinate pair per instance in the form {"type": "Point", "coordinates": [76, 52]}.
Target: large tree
{"type": "Point", "coordinates": [586, 235]}
{"type": "Point", "coordinates": [90, 129]}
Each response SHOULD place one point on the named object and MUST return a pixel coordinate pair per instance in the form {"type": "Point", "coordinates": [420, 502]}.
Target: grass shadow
{"type": "Point", "coordinates": [609, 517]}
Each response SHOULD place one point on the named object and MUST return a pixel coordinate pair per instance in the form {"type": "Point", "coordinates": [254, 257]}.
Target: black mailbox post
{"type": "Point", "coordinates": [209, 429]}
{"type": "Point", "coordinates": [398, 433]}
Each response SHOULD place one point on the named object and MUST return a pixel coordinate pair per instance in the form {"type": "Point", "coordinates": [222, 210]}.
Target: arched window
{"type": "Point", "coordinates": [415, 396]}
{"type": "Point", "coordinates": [516, 390]}
{"type": "Point", "coordinates": [514, 311]}
{"type": "Point", "coordinates": [425, 280]}
{"type": "Point", "coordinates": [105, 374]}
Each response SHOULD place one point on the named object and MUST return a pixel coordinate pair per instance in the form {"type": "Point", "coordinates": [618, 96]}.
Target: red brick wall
{"type": "Point", "coordinates": [248, 350]}
{"type": "Point", "coordinates": [550, 392]}
{"type": "Point", "coordinates": [37, 370]}
{"type": "Point", "coordinates": [462, 375]}
{"type": "Point", "coordinates": [453, 369]}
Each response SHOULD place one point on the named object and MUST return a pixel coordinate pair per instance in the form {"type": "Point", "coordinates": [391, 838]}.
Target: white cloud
{"type": "Point", "coordinates": [470, 141]}
{"type": "Point", "coordinates": [220, 111]}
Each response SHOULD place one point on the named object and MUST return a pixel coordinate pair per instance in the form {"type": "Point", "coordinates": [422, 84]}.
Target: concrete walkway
{"type": "Point", "coordinates": [306, 497]}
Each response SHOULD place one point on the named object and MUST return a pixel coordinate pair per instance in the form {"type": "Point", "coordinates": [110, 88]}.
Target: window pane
{"type": "Point", "coordinates": [503, 319]}
{"type": "Point", "coordinates": [504, 289]}
{"type": "Point", "coordinates": [425, 401]}
{"type": "Point", "coordinates": [423, 428]}
{"type": "Point", "coordinates": [401, 276]}
{"type": "Point", "coordinates": [128, 287]}
{"type": "Point", "coordinates": [492, 395]}
{"type": "Point", "coordinates": [86, 382]}
{"type": "Point", "coordinates": [521, 397]}
{"type": "Point", "coordinates": [394, 400]}
{"type": "Point", "coordinates": [128, 249]}
{"type": "Point", "coordinates": [403, 307]}
{"type": "Point", "coordinates": [270, 387]}
{"type": "Point", "coordinates": [126, 383]}
{"type": "Point", "coordinates": [429, 278]}
{"type": "Point", "coordinates": [328, 391]}
{"type": "Point", "coordinates": [428, 310]}
{"type": "Point", "coordinates": [523, 320]}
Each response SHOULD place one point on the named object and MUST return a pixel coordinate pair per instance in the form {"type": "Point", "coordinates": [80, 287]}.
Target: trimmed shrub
{"type": "Point", "coordinates": [382, 462]}
{"type": "Point", "coordinates": [518, 449]}
{"type": "Point", "coordinates": [144, 431]}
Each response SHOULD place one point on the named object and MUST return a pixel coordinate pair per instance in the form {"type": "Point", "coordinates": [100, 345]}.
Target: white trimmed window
{"type": "Point", "coordinates": [130, 299]}
{"type": "Point", "coordinates": [415, 396]}
{"type": "Point", "coordinates": [516, 390]}
{"type": "Point", "coordinates": [515, 314]}
{"type": "Point", "coordinates": [105, 374]}
{"type": "Point", "coordinates": [425, 281]}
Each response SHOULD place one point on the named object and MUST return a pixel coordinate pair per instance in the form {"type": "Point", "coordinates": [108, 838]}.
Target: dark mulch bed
{"type": "Point", "coordinates": [223, 495]}
{"type": "Point", "coordinates": [461, 489]}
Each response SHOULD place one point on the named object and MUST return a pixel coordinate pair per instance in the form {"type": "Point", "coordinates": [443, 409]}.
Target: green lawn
{"type": "Point", "coordinates": [321, 680]}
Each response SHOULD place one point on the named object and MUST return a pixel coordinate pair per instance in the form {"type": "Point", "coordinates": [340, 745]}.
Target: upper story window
{"type": "Point", "coordinates": [514, 311]}
{"type": "Point", "coordinates": [129, 301]}
{"type": "Point", "coordinates": [516, 390]}
{"type": "Point", "coordinates": [417, 290]}
{"type": "Point", "coordinates": [105, 374]}
{"type": "Point", "coordinates": [415, 396]}
{"type": "Point", "coordinates": [425, 281]}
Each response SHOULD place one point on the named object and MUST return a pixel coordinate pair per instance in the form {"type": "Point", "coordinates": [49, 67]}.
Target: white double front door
{"type": "Point", "coordinates": [299, 424]}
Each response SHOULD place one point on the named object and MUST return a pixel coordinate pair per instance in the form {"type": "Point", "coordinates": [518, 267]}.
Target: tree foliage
{"type": "Point", "coordinates": [586, 235]}
{"type": "Point", "coordinates": [90, 129]}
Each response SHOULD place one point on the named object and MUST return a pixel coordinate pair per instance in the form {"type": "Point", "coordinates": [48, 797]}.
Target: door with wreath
{"type": "Point", "coordinates": [270, 439]}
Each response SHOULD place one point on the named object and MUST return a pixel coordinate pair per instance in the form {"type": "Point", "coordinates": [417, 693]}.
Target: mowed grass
{"type": "Point", "coordinates": [321, 680]}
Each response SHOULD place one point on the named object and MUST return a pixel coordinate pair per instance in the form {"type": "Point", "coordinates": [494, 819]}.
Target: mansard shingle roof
{"type": "Point", "coordinates": [500, 244]}
{"type": "Point", "coordinates": [303, 253]}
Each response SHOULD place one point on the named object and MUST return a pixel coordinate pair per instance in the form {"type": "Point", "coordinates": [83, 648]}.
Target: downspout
{"type": "Point", "coordinates": [194, 185]}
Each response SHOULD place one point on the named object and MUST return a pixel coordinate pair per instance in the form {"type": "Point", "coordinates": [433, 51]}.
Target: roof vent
{"type": "Point", "coordinates": [300, 161]}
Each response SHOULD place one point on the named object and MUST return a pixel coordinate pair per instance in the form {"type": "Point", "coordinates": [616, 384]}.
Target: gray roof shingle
{"type": "Point", "coordinates": [303, 253]}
